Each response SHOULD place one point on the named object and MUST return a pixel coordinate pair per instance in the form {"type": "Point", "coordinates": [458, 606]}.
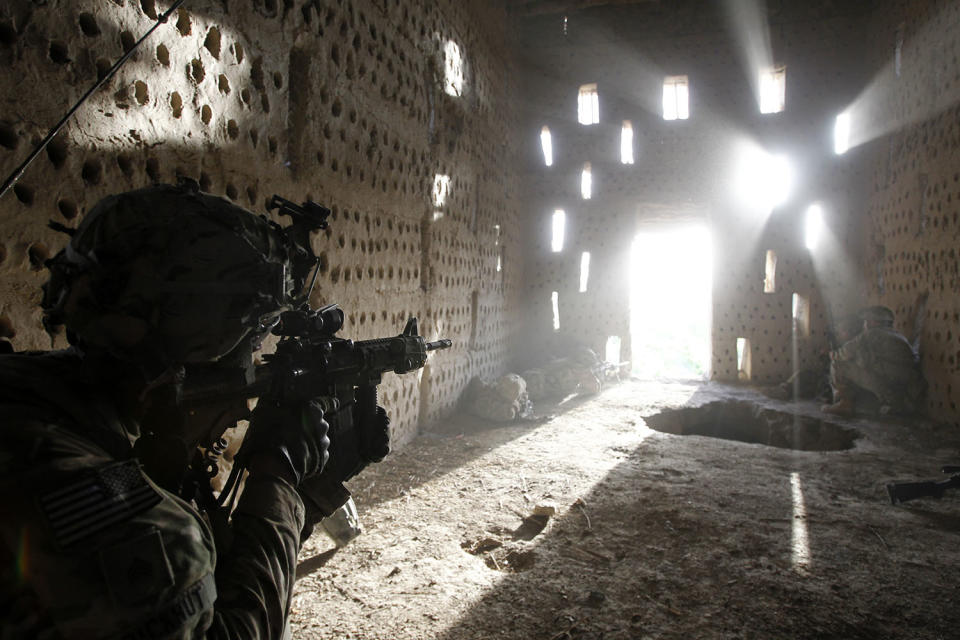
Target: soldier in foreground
{"type": "Point", "coordinates": [153, 283]}
{"type": "Point", "coordinates": [878, 363]}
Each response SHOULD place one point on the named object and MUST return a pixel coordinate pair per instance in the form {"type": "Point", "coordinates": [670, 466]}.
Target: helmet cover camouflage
{"type": "Point", "coordinates": [878, 314]}
{"type": "Point", "coordinates": [169, 275]}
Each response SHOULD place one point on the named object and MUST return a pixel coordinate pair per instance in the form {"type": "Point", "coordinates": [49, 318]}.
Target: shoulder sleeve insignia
{"type": "Point", "coordinates": [99, 499]}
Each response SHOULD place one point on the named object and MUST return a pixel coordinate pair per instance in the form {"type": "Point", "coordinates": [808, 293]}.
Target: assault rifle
{"type": "Point", "coordinates": [904, 491]}
{"type": "Point", "coordinates": [310, 363]}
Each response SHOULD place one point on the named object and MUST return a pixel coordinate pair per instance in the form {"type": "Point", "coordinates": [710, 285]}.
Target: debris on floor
{"type": "Point", "coordinates": [594, 525]}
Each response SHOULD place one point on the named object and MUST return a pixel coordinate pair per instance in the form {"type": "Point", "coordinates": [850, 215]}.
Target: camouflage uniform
{"type": "Point", "coordinates": [93, 549]}
{"type": "Point", "coordinates": [151, 280]}
{"type": "Point", "coordinates": [879, 360]}
{"type": "Point", "coordinates": [502, 400]}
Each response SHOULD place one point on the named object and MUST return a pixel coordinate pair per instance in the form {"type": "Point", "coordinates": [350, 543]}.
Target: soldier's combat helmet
{"type": "Point", "coordinates": [169, 275]}
{"type": "Point", "coordinates": [879, 314]}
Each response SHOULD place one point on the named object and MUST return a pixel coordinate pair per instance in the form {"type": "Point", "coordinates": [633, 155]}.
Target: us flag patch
{"type": "Point", "coordinates": [110, 494]}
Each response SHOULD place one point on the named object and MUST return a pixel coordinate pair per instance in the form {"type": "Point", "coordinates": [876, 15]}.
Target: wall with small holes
{"type": "Point", "coordinates": [908, 128]}
{"type": "Point", "coordinates": [684, 170]}
{"type": "Point", "coordinates": [338, 101]}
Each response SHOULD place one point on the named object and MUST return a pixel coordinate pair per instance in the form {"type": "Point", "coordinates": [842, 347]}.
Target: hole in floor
{"type": "Point", "coordinates": [748, 422]}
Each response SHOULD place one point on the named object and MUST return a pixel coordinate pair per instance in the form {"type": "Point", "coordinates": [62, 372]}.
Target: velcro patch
{"type": "Point", "coordinates": [137, 570]}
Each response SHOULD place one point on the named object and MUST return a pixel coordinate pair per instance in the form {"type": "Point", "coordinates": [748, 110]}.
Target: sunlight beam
{"type": "Point", "coordinates": [836, 273]}
{"type": "Point", "coordinates": [800, 545]}
{"type": "Point", "coordinates": [762, 181]}
{"type": "Point", "coordinates": [748, 20]}
{"type": "Point", "coordinates": [911, 87]}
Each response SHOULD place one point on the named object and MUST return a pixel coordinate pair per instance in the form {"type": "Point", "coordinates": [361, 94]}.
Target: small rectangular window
{"type": "Point", "coordinates": [555, 304]}
{"type": "Point", "coordinates": [612, 354]}
{"type": "Point", "coordinates": [559, 222]}
{"type": "Point", "coordinates": [773, 89]}
{"type": "Point", "coordinates": [841, 134]}
{"type": "Point", "coordinates": [586, 181]}
{"type": "Point", "coordinates": [546, 143]}
{"type": "Point", "coordinates": [588, 105]}
{"type": "Point", "coordinates": [801, 315]}
{"type": "Point", "coordinates": [441, 187]}
{"type": "Point", "coordinates": [770, 272]}
{"type": "Point", "coordinates": [676, 98]}
{"type": "Point", "coordinates": [626, 143]}
{"type": "Point", "coordinates": [743, 359]}
{"type": "Point", "coordinates": [453, 69]}
{"type": "Point", "coordinates": [584, 270]}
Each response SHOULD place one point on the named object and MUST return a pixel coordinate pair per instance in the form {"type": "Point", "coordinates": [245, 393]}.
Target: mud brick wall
{"type": "Point", "coordinates": [908, 124]}
{"type": "Point", "coordinates": [338, 101]}
{"type": "Point", "coordinates": [683, 170]}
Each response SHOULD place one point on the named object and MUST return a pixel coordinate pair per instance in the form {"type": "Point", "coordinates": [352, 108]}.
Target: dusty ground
{"type": "Point", "coordinates": [655, 535]}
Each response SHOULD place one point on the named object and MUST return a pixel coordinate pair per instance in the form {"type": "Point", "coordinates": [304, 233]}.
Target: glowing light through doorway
{"type": "Point", "coordinates": [670, 302]}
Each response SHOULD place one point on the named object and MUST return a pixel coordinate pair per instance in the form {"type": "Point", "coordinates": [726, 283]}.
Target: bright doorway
{"type": "Point", "coordinates": [670, 302]}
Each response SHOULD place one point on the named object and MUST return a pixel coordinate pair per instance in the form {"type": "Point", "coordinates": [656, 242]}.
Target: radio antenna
{"type": "Point", "coordinates": [13, 177]}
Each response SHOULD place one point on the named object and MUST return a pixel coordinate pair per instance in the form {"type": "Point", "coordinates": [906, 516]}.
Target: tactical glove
{"type": "Point", "coordinates": [291, 432]}
{"type": "Point", "coordinates": [376, 441]}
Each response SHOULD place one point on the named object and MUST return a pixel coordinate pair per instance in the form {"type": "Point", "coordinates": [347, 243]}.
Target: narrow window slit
{"type": "Point", "coordinates": [626, 143]}
{"type": "Point", "coordinates": [555, 304]}
{"type": "Point", "coordinates": [559, 222]}
{"type": "Point", "coordinates": [743, 359]}
{"type": "Point", "coordinates": [584, 270]}
{"type": "Point", "coordinates": [676, 98]}
{"type": "Point", "coordinates": [588, 104]}
{"type": "Point", "coordinates": [770, 272]}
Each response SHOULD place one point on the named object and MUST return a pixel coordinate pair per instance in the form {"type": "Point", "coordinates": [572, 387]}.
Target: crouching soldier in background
{"type": "Point", "coordinates": [879, 365]}
{"type": "Point", "coordinates": [95, 541]}
{"type": "Point", "coordinates": [814, 382]}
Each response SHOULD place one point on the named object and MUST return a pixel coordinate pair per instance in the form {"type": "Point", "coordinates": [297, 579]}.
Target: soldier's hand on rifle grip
{"type": "Point", "coordinates": [379, 445]}
{"type": "Point", "coordinates": [286, 439]}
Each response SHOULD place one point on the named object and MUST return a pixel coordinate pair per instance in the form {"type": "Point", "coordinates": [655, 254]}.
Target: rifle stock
{"type": "Point", "coordinates": [904, 491]}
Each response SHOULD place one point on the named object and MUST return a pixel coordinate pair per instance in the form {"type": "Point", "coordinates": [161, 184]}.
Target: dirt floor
{"type": "Point", "coordinates": [654, 535]}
